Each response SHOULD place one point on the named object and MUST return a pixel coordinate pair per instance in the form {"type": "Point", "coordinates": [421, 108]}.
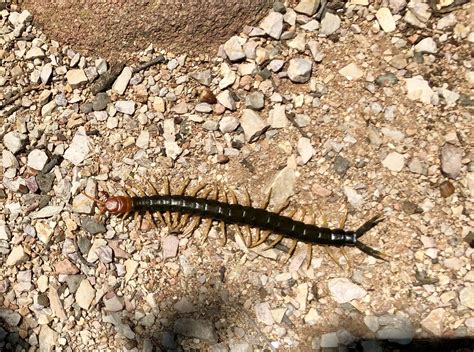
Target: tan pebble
{"type": "Point", "coordinates": [206, 96]}
{"type": "Point", "coordinates": [446, 189]}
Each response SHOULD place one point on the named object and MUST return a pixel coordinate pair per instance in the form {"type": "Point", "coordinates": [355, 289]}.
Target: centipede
{"type": "Point", "coordinates": [184, 211]}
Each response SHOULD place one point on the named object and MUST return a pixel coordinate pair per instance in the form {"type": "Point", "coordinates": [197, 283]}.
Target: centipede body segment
{"type": "Point", "coordinates": [185, 212]}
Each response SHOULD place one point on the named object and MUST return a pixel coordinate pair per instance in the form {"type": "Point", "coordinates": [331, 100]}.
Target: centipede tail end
{"type": "Point", "coordinates": [369, 225]}
{"type": "Point", "coordinates": [365, 228]}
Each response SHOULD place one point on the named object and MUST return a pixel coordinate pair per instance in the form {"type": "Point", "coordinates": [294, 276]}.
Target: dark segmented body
{"type": "Point", "coordinates": [245, 215]}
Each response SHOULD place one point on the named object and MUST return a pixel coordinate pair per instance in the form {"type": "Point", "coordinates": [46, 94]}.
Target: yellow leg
{"type": "Point", "coordinates": [265, 235]}
{"type": "Point", "coordinates": [309, 255]}
{"type": "Point", "coordinates": [151, 219]}
{"type": "Point", "coordinates": [328, 251]}
{"type": "Point", "coordinates": [342, 221]}
{"type": "Point", "coordinates": [176, 219]}
{"type": "Point", "coordinates": [274, 243]}
{"type": "Point", "coordinates": [207, 229]}
{"type": "Point", "coordinates": [154, 191]}
{"type": "Point", "coordinates": [291, 250]}
{"type": "Point", "coordinates": [267, 200]}
{"type": "Point", "coordinates": [192, 226]}
{"type": "Point", "coordinates": [224, 233]}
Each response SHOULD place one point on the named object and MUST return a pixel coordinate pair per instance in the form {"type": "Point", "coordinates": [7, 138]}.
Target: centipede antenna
{"type": "Point", "coordinates": [98, 201]}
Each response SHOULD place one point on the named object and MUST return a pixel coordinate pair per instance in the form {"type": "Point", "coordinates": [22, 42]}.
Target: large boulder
{"type": "Point", "coordinates": [117, 28]}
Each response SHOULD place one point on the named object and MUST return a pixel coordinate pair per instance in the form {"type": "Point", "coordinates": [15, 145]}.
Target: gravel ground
{"type": "Point", "coordinates": [368, 107]}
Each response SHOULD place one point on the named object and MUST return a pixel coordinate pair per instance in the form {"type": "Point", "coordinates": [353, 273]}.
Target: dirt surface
{"type": "Point", "coordinates": [118, 29]}
{"type": "Point", "coordinates": [355, 135]}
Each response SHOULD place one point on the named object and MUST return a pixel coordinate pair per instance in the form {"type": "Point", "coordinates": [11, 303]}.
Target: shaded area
{"type": "Point", "coordinates": [114, 29]}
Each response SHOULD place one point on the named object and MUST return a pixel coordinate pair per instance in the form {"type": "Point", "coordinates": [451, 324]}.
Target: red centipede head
{"type": "Point", "coordinates": [118, 205]}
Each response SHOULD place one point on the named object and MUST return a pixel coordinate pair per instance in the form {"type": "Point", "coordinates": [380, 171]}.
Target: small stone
{"type": "Point", "coordinates": [394, 162]}
{"type": "Point", "coordinates": [113, 303]}
{"type": "Point", "coordinates": [446, 189]}
{"type": "Point", "coordinates": [82, 204]}
{"type": "Point", "coordinates": [305, 150]}
{"type": "Point", "coordinates": [354, 198]}
{"type": "Point", "coordinates": [105, 254]}
{"type": "Point", "coordinates": [43, 231]}
{"type": "Point", "coordinates": [131, 267]}
{"type": "Point", "coordinates": [228, 124]}
{"type": "Point", "coordinates": [253, 125]}
{"type": "Point", "coordinates": [298, 43]}
{"type": "Point", "coordinates": [17, 256]}
{"type": "Point", "coordinates": [35, 53]}
{"type": "Point", "coordinates": [385, 19]}
{"type": "Point", "coordinates": [14, 141]}
{"type": "Point", "coordinates": [76, 78]}
{"type": "Point", "coordinates": [447, 21]}
{"type": "Point", "coordinates": [466, 296]}
{"type": "Point", "coordinates": [48, 339]}
{"type": "Point", "coordinates": [299, 70]}
{"type": "Point", "coordinates": [395, 329]}
{"type": "Point", "coordinates": [10, 317]}
{"type": "Point", "coordinates": [341, 165]}
{"type": "Point", "coordinates": [65, 267]}
{"type": "Point", "coordinates": [121, 83]}
{"type": "Point", "coordinates": [170, 246]}
{"type": "Point", "coordinates": [451, 160]}
{"type": "Point", "coordinates": [427, 45]}
{"type": "Point", "coordinates": [417, 14]}
{"type": "Point", "coordinates": [85, 294]}
{"type": "Point", "coordinates": [79, 148]}
{"type": "Point", "coordinates": [100, 101]}
{"type": "Point", "coordinates": [434, 322]}
{"type": "Point", "coordinates": [254, 101]}
{"type": "Point", "coordinates": [343, 290]}
{"type": "Point", "coordinates": [307, 7]}
{"type": "Point", "coordinates": [183, 306]}
{"type": "Point", "coordinates": [263, 313]}
{"type": "Point", "coordinates": [372, 322]}
{"type": "Point", "coordinates": [419, 89]}
{"type": "Point", "coordinates": [37, 159]}
{"type": "Point", "coordinates": [273, 25]}
{"type": "Point", "coordinates": [312, 317]}
{"type": "Point", "coordinates": [225, 98]}
{"type": "Point", "coordinates": [46, 72]}
{"type": "Point", "coordinates": [203, 77]}
{"type": "Point", "coordinates": [143, 139]}
{"type": "Point", "coordinates": [329, 340]}
{"type": "Point", "coordinates": [201, 329]}
{"type": "Point", "coordinates": [55, 303]}
{"type": "Point", "coordinates": [351, 72]}
{"type": "Point", "coordinates": [278, 117]}
{"type": "Point", "coordinates": [125, 106]}
{"type": "Point", "coordinates": [233, 48]}
{"type": "Point", "coordinates": [330, 24]}
{"type": "Point", "coordinates": [172, 149]}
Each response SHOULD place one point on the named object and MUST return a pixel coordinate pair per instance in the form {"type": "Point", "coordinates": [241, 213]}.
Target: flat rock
{"type": "Point", "coordinates": [79, 148]}
{"type": "Point", "coordinates": [17, 256]}
{"type": "Point", "coordinates": [37, 159]}
{"type": "Point", "coordinates": [253, 125]}
{"type": "Point", "coordinates": [203, 77]}
{"type": "Point", "coordinates": [121, 83]}
{"type": "Point", "coordinates": [419, 89]}
{"type": "Point", "coordinates": [351, 72]}
{"type": "Point", "coordinates": [170, 246]}
{"type": "Point", "coordinates": [466, 296]}
{"type": "Point", "coordinates": [228, 124]}
{"type": "Point", "coordinates": [329, 340]}
{"type": "Point", "coordinates": [233, 48]}
{"type": "Point", "coordinates": [76, 78]}
{"type": "Point", "coordinates": [299, 70]}
{"type": "Point", "coordinates": [65, 267]}
{"type": "Point", "coordinates": [34, 53]}
{"type": "Point", "coordinates": [353, 197]}
{"type": "Point", "coordinates": [10, 317]}
{"type": "Point", "coordinates": [305, 150]}
{"type": "Point", "coordinates": [307, 7]}
{"type": "Point", "coordinates": [125, 106]}
{"type": "Point", "coordinates": [343, 290]}
{"type": "Point", "coordinates": [225, 98]}
{"type": "Point", "coordinates": [330, 24]}
{"type": "Point", "coordinates": [451, 160]}
{"type": "Point", "coordinates": [278, 117]}
{"type": "Point", "coordinates": [264, 314]}
{"type": "Point", "coordinates": [434, 322]}
{"type": "Point", "coordinates": [283, 186]}
{"type": "Point", "coordinates": [273, 25]}
{"type": "Point", "coordinates": [395, 328]}
{"type": "Point", "coordinates": [385, 19]}
{"type": "Point", "coordinates": [255, 101]}
{"type": "Point", "coordinates": [85, 294]}
{"type": "Point", "coordinates": [201, 329]}
{"type": "Point", "coordinates": [394, 162]}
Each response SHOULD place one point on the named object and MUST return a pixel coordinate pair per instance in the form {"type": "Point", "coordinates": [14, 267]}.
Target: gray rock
{"type": "Point", "coordinates": [276, 65]}
{"type": "Point", "coordinates": [397, 5]}
{"type": "Point", "coordinates": [395, 329]}
{"type": "Point", "coordinates": [105, 254]}
{"type": "Point", "coordinates": [183, 306]}
{"type": "Point", "coordinates": [10, 317]}
{"type": "Point", "coordinates": [233, 48]}
{"type": "Point", "coordinates": [255, 101]}
{"type": "Point", "coordinates": [100, 101]}
{"type": "Point", "coordinates": [203, 77]}
{"type": "Point", "coordinates": [228, 124]}
{"type": "Point", "coordinates": [112, 302]}
{"type": "Point", "coordinates": [14, 141]}
{"type": "Point", "coordinates": [203, 108]}
{"type": "Point", "coordinates": [263, 313]}
{"type": "Point", "coordinates": [385, 19]}
{"type": "Point", "coordinates": [34, 53]}
{"type": "Point", "coordinates": [372, 322]}
{"type": "Point", "coordinates": [299, 70]}
{"type": "Point", "coordinates": [169, 341]}
{"type": "Point", "coordinates": [451, 160]}
{"type": "Point", "coordinates": [201, 329]}
{"type": "Point", "coordinates": [330, 24]}
{"type": "Point", "coordinates": [341, 165]}
{"type": "Point", "coordinates": [121, 83]}
{"type": "Point", "coordinates": [125, 106]}
{"type": "Point", "coordinates": [447, 21]}
{"type": "Point", "coordinates": [305, 150]}
{"type": "Point", "coordinates": [240, 347]}
{"type": "Point", "coordinates": [417, 14]}
{"type": "Point", "coordinates": [254, 126]}
{"type": "Point", "coordinates": [329, 340]}
{"type": "Point", "coordinates": [273, 24]}
{"type": "Point", "coordinates": [278, 117]}
{"type": "Point", "coordinates": [343, 290]}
